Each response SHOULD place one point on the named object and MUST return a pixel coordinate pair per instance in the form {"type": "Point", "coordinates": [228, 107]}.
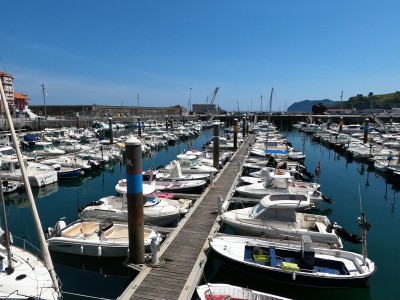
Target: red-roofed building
{"type": "Point", "coordinates": [20, 101]}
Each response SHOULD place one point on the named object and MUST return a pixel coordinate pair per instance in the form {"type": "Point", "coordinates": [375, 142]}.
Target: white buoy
{"type": "Point", "coordinates": [294, 275]}
{"type": "Point", "coordinates": [98, 251]}
{"type": "Point", "coordinates": [82, 249]}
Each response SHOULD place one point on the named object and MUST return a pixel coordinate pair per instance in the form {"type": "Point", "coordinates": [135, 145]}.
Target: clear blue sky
{"type": "Point", "coordinates": [107, 52]}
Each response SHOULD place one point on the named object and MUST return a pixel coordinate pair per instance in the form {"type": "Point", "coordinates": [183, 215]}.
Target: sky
{"type": "Point", "coordinates": [178, 51]}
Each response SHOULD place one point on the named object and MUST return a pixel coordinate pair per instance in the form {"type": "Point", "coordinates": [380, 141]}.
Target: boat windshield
{"type": "Point", "coordinates": [150, 199]}
{"type": "Point", "coordinates": [256, 210]}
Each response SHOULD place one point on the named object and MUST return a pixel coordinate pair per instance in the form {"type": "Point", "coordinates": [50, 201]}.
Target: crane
{"type": "Point", "coordinates": [214, 95]}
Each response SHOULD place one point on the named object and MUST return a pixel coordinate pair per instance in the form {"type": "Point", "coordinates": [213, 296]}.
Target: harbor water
{"type": "Point", "coordinates": [353, 186]}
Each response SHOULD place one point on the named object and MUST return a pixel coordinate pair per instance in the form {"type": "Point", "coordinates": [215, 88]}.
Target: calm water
{"type": "Point", "coordinates": [340, 179]}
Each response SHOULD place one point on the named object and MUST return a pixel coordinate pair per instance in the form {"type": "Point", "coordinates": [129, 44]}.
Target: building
{"type": "Point", "coordinates": [21, 101]}
{"type": "Point", "coordinates": [204, 109]}
{"type": "Point", "coordinates": [8, 87]}
{"type": "Point", "coordinates": [17, 102]}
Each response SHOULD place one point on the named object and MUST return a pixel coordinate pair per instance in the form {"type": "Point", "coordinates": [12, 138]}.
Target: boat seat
{"type": "Point", "coordinates": [88, 228]}
{"type": "Point", "coordinates": [73, 231]}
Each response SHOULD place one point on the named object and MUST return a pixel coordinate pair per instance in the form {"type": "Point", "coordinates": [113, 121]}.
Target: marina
{"type": "Point", "coordinates": [182, 269]}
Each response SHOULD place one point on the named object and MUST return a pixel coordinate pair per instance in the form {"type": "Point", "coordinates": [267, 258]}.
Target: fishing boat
{"type": "Point", "coordinates": [67, 172]}
{"type": "Point", "coordinates": [221, 291]}
{"type": "Point", "coordinates": [277, 216]}
{"type": "Point", "coordinates": [95, 238]}
{"type": "Point", "coordinates": [295, 263]}
{"type": "Point", "coordinates": [157, 211]}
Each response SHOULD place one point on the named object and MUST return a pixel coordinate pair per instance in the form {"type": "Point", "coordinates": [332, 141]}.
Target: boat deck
{"type": "Point", "coordinates": [184, 252]}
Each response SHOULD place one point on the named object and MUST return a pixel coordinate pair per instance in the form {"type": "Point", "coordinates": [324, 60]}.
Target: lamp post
{"type": "Point", "coordinates": [44, 98]}
{"type": "Point", "coordinates": [190, 101]}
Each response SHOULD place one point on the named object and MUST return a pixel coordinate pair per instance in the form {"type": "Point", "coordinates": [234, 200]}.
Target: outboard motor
{"type": "Point", "coordinates": [344, 234]}
{"type": "Point", "coordinates": [59, 226]}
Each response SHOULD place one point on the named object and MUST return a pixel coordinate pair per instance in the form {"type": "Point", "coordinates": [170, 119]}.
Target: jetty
{"type": "Point", "coordinates": [184, 252]}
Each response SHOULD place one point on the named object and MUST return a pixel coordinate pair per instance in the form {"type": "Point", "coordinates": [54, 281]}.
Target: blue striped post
{"type": "Point", "coordinates": [134, 181]}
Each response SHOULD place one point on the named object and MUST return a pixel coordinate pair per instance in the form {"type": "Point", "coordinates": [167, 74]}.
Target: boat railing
{"type": "Point", "coordinates": [28, 246]}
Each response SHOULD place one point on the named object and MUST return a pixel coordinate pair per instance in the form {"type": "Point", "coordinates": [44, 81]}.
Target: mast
{"type": "Point", "coordinates": [42, 239]}
{"type": "Point", "coordinates": [269, 119]}
{"type": "Point", "coordinates": [7, 239]}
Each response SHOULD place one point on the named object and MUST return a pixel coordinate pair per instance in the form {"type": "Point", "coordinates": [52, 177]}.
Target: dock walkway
{"type": "Point", "coordinates": [184, 250]}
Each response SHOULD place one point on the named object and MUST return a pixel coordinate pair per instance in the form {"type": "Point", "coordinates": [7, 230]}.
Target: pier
{"type": "Point", "coordinates": [184, 252]}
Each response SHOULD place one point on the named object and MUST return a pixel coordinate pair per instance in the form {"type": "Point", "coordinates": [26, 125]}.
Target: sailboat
{"type": "Point", "coordinates": [22, 274]}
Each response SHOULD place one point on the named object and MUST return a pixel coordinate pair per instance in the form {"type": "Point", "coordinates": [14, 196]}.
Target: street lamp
{"type": "Point", "coordinates": [44, 98]}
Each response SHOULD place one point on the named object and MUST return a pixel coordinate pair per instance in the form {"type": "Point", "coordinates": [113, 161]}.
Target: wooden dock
{"type": "Point", "coordinates": [184, 251]}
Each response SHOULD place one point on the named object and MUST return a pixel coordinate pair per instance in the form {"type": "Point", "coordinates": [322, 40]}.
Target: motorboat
{"type": "Point", "coordinates": [157, 211]}
{"type": "Point", "coordinates": [67, 172]}
{"type": "Point", "coordinates": [214, 291]}
{"type": "Point", "coordinates": [281, 182]}
{"type": "Point", "coordinates": [295, 263]}
{"type": "Point", "coordinates": [95, 238]}
{"type": "Point", "coordinates": [72, 146]}
{"type": "Point", "coordinates": [278, 216]}
{"type": "Point", "coordinates": [45, 149]}
{"type": "Point", "coordinates": [10, 186]}
{"type": "Point", "coordinates": [69, 161]}
{"type": "Point", "coordinates": [184, 186]}
{"type": "Point", "coordinates": [173, 171]}
{"type": "Point", "coordinates": [38, 174]}
{"type": "Point", "coordinates": [189, 165]}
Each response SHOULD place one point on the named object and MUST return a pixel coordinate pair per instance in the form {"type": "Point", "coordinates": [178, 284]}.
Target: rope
{"type": "Point", "coordinates": [85, 296]}
{"type": "Point", "coordinates": [147, 262]}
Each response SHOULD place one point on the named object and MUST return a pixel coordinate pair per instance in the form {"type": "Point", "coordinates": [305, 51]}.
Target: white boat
{"type": "Point", "coordinates": [281, 183]}
{"type": "Point", "coordinates": [214, 291]}
{"type": "Point", "coordinates": [45, 149]}
{"type": "Point", "coordinates": [72, 146]}
{"type": "Point", "coordinates": [278, 216]}
{"type": "Point", "coordinates": [173, 171]}
{"type": "Point", "coordinates": [95, 238]}
{"type": "Point", "coordinates": [157, 211]}
{"type": "Point", "coordinates": [68, 161]}
{"type": "Point", "coordinates": [295, 263]}
{"type": "Point", "coordinates": [189, 165]}
{"type": "Point", "coordinates": [10, 186]}
{"type": "Point", "coordinates": [38, 174]}
{"type": "Point", "coordinates": [26, 277]}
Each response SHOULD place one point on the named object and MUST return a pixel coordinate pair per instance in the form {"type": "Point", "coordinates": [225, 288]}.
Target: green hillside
{"type": "Point", "coordinates": [371, 101]}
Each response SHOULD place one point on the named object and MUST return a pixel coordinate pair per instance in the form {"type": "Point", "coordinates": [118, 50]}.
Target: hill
{"type": "Point", "coordinates": [306, 105]}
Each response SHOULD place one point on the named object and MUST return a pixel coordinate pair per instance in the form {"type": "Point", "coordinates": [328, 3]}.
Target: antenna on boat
{"type": "Point", "coordinates": [42, 239]}
{"type": "Point", "coordinates": [365, 226]}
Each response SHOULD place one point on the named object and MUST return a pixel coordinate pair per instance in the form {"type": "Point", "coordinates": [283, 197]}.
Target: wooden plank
{"type": "Point", "coordinates": [184, 250]}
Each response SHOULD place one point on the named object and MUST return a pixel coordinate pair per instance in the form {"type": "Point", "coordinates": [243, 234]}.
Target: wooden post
{"type": "Point", "coordinates": [111, 130]}
{"type": "Point", "coordinates": [216, 146]}
{"type": "Point", "coordinates": [139, 127]}
{"type": "Point", "coordinates": [235, 134]}
{"type": "Point", "coordinates": [166, 123]}
{"type": "Point", "coordinates": [134, 181]}
{"type": "Point", "coordinates": [366, 127]}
